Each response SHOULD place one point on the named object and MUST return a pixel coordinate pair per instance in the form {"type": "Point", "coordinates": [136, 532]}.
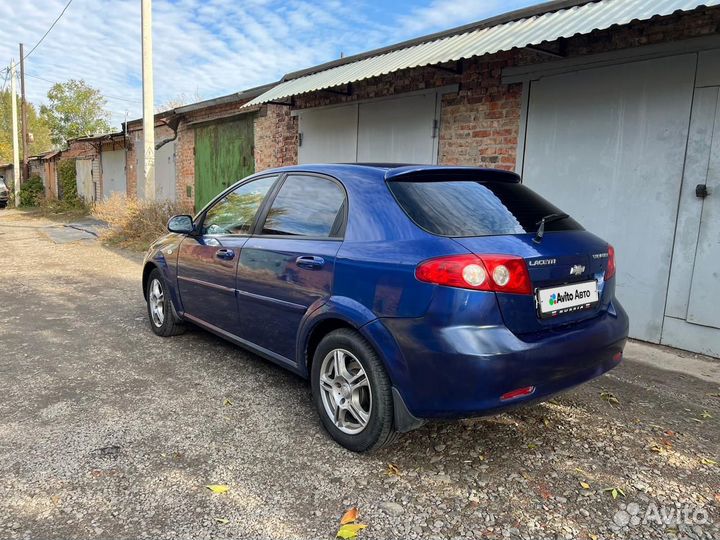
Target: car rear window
{"type": "Point", "coordinates": [476, 208]}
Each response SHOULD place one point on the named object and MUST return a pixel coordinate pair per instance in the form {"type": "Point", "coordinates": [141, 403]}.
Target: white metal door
{"type": "Point", "coordinates": [393, 130]}
{"type": "Point", "coordinates": [692, 316]}
{"type": "Point", "coordinates": [113, 171]}
{"type": "Point", "coordinates": [84, 179]}
{"type": "Point", "coordinates": [328, 135]}
{"type": "Point", "coordinates": [607, 145]}
{"type": "Point", "coordinates": [400, 130]}
{"type": "Point", "coordinates": [165, 172]}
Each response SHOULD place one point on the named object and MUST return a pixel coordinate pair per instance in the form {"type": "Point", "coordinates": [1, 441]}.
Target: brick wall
{"type": "Point", "coordinates": [276, 137]}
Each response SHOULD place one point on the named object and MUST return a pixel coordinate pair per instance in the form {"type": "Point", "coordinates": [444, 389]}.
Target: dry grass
{"type": "Point", "coordinates": [135, 224]}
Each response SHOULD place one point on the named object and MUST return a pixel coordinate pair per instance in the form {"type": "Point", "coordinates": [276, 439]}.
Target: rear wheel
{"type": "Point", "coordinates": [352, 392]}
{"type": "Point", "coordinates": [163, 320]}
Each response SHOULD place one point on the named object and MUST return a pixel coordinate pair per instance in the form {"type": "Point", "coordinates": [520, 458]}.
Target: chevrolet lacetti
{"type": "Point", "coordinates": [403, 293]}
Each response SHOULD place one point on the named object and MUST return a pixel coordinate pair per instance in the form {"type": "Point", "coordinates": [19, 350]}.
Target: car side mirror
{"type": "Point", "coordinates": [181, 224]}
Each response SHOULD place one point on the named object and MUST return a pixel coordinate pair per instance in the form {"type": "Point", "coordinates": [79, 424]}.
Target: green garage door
{"type": "Point", "coordinates": [223, 155]}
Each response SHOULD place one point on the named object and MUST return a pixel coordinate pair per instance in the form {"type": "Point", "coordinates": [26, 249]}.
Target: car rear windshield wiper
{"type": "Point", "coordinates": [547, 219]}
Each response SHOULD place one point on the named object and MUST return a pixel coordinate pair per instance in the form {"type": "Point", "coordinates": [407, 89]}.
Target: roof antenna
{"type": "Point", "coordinates": [342, 54]}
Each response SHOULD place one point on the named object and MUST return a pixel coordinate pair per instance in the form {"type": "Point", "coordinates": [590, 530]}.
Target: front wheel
{"type": "Point", "coordinates": [163, 320]}
{"type": "Point", "coordinates": [352, 392]}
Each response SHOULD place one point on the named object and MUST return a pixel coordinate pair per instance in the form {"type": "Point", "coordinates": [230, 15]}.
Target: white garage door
{"type": "Point", "coordinates": [608, 146]}
{"type": "Point", "coordinates": [393, 130]}
{"type": "Point", "coordinates": [164, 171]}
{"type": "Point", "coordinates": [113, 173]}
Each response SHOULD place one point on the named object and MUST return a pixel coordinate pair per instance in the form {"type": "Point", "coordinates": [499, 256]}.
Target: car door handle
{"type": "Point", "coordinates": [310, 261]}
{"type": "Point", "coordinates": [225, 254]}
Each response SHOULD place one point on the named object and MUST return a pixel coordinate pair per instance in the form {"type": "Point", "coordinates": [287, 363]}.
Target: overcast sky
{"type": "Point", "coordinates": [214, 47]}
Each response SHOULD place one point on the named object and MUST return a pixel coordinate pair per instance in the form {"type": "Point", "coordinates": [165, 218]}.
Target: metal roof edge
{"type": "Point", "coordinates": [523, 13]}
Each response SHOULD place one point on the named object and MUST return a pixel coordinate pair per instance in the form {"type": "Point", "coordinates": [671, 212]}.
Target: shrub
{"type": "Point", "coordinates": [135, 223]}
{"type": "Point", "coordinates": [31, 190]}
{"type": "Point", "coordinates": [67, 180]}
{"type": "Point", "coordinates": [73, 206]}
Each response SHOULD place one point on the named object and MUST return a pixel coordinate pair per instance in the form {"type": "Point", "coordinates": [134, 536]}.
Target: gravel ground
{"type": "Point", "coordinates": [109, 431]}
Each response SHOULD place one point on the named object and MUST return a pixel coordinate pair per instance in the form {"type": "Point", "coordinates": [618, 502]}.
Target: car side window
{"type": "Point", "coordinates": [235, 212]}
{"type": "Point", "coordinates": [307, 206]}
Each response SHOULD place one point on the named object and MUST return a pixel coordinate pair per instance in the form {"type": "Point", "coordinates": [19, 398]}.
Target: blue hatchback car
{"type": "Point", "coordinates": [402, 292]}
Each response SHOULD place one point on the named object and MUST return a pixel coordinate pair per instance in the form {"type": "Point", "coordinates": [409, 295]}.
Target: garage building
{"type": "Point", "coordinates": [608, 108]}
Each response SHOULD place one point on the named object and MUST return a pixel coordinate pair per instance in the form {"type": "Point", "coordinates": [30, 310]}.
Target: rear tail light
{"type": "Point", "coordinates": [610, 271]}
{"type": "Point", "coordinates": [520, 392]}
{"type": "Point", "coordinates": [498, 273]}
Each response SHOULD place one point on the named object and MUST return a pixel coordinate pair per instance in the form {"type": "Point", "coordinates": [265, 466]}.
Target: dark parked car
{"type": "Point", "coordinates": [403, 292]}
{"type": "Point", "coordinates": [4, 193]}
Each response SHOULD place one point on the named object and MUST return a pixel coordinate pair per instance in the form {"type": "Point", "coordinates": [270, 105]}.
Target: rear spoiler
{"type": "Point", "coordinates": [429, 173]}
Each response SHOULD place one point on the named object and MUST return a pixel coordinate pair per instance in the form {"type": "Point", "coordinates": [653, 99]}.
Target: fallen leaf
{"type": "Point", "coordinates": [706, 414]}
{"type": "Point", "coordinates": [593, 536]}
{"type": "Point", "coordinates": [584, 485]}
{"type": "Point", "coordinates": [532, 446]}
{"type": "Point", "coordinates": [669, 433]}
{"type": "Point", "coordinates": [584, 473]}
{"type": "Point", "coordinates": [218, 488]}
{"type": "Point", "coordinates": [546, 422]}
{"type": "Point", "coordinates": [222, 521]}
{"type": "Point", "coordinates": [610, 398]}
{"type": "Point", "coordinates": [715, 394]}
{"type": "Point", "coordinates": [227, 402]}
{"type": "Point", "coordinates": [615, 492]}
{"type": "Point", "coordinates": [666, 442]}
{"type": "Point", "coordinates": [392, 470]}
{"type": "Point", "coordinates": [349, 516]}
{"type": "Point", "coordinates": [657, 449]}
{"type": "Point", "coordinates": [350, 531]}
{"type": "Point", "coordinates": [55, 499]}
{"type": "Point", "coordinates": [707, 461]}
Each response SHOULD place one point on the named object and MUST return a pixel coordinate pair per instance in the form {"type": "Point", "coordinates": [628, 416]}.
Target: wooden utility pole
{"type": "Point", "coordinates": [148, 108]}
{"type": "Point", "coordinates": [16, 150]}
{"type": "Point", "coordinates": [23, 115]}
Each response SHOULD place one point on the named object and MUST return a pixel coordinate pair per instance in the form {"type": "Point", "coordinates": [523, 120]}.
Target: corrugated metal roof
{"type": "Point", "coordinates": [549, 26]}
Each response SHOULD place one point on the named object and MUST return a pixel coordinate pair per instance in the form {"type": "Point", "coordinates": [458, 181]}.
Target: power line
{"type": "Point", "coordinates": [48, 30]}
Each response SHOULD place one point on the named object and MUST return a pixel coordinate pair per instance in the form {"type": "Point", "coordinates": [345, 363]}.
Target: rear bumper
{"type": "Point", "coordinates": [461, 371]}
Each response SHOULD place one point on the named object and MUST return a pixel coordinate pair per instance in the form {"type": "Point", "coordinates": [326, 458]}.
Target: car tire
{"type": "Point", "coordinates": [343, 401]}
{"type": "Point", "coordinates": [3, 204]}
{"type": "Point", "coordinates": [164, 321]}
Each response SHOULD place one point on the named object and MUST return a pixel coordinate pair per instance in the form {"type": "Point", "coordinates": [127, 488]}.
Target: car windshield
{"type": "Point", "coordinates": [476, 208]}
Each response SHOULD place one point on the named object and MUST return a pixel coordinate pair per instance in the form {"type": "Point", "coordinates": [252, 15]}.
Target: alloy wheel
{"type": "Point", "coordinates": [345, 391]}
{"type": "Point", "coordinates": [156, 299]}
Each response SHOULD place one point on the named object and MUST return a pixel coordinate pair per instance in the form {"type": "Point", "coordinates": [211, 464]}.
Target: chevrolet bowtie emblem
{"type": "Point", "coordinates": [577, 270]}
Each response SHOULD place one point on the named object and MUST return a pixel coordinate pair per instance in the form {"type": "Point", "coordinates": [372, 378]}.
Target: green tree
{"type": "Point", "coordinates": [37, 128]}
{"type": "Point", "coordinates": [75, 110]}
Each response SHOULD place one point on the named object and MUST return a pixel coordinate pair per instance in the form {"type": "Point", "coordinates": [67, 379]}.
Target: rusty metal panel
{"type": "Point", "coordinates": [223, 155]}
